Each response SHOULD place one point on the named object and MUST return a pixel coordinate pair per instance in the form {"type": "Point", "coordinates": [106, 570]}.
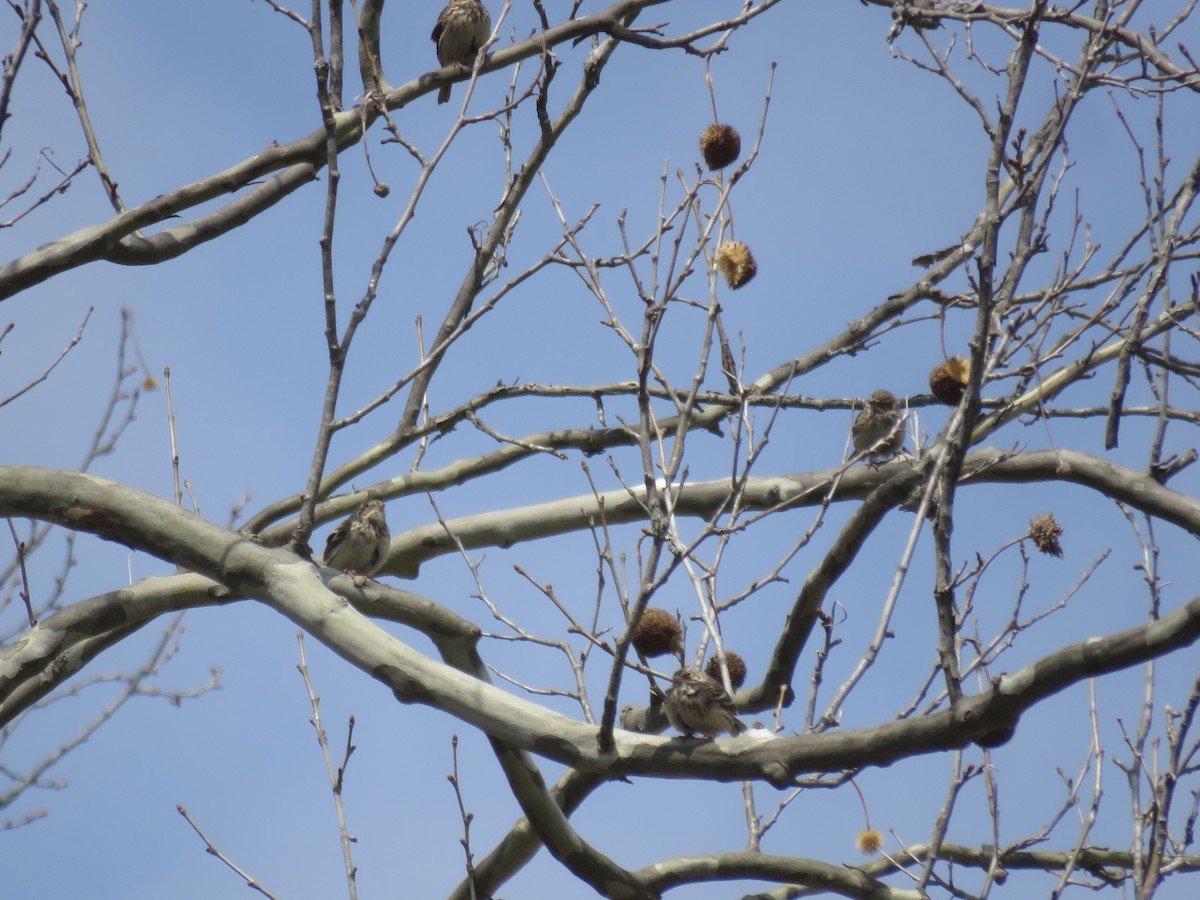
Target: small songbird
{"type": "Point", "coordinates": [462, 28]}
{"type": "Point", "coordinates": [632, 718]}
{"type": "Point", "coordinates": [909, 13]}
{"type": "Point", "coordinates": [697, 702]}
{"type": "Point", "coordinates": [879, 429]}
{"type": "Point", "coordinates": [360, 544]}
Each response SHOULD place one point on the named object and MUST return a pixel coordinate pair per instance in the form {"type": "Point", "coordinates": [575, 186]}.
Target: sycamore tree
{"type": "Point", "coordinates": [846, 353]}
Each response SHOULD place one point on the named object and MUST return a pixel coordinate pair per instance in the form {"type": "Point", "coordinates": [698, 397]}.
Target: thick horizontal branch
{"type": "Point", "coordinates": [292, 587]}
{"type": "Point", "coordinates": [505, 528]}
{"type": "Point", "coordinates": [1092, 859]}
{"type": "Point", "coordinates": [285, 168]}
{"type": "Point", "coordinates": [987, 718]}
{"type": "Point", "coordinates": [844, 881]}
{"type": "Point", "coordinates": [63, 644]}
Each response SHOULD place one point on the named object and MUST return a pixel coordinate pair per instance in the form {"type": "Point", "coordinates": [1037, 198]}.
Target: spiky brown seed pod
{"type": "Point", "coordinates": [948, 380]}
{"type": "Point", "coordinates": [736, 263]}
{"type": "Point", "coordinates": [737, 669]}
{"type": "Point", "coordinates": [658, 633]}
{"type": "Point", "coordinates": [720, 145]}
{"type": "Point", "coordinates": [869, 841]}
{"type": "Point", "coordinates": [1045, 531]}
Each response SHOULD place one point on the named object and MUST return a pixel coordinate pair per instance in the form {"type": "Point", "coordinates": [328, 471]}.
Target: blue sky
{"type": "Point", "coordinates": [866, 163]}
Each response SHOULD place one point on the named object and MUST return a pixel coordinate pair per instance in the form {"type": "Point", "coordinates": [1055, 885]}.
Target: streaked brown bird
{"type": "Point", "coordinates": [462, 28]}
{"type": "Point", "coordinates": [360, 544]}
{"type": "Point", "coordinates": [696, 702]}
{"type": "Point", "coordinates": [878, 430]}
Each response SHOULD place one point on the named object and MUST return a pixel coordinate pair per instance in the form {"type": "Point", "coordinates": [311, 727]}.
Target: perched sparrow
{"type": "Point", "coordinates": [462, 28]}
{"type": "Point", "coordinates": [632, 718]}
{"type": "Point", "coordinates": [910, 14]}
{"type": "Point", "coordinates": [879, 428]}
{"type": "Point", "coordinates": [696, 702]}
{"type": "Point", "coordinates": [360, 544]}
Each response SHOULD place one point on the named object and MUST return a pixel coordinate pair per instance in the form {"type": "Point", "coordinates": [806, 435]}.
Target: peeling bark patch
{"type": "Point", "coordinates": [95, 615]}
{"type": "Point", "coordinates": [777, 775]}
{"type": "Point", "coordinates": [97, 520]}
{"type": "Point", "coordinates": [996, 738]}
{"type": "Point", "coordinates": [56, 665]}
{"type": "Point", "coordinates": [404, 688]}
{"type": "Point", "coordinates": [557, 748]}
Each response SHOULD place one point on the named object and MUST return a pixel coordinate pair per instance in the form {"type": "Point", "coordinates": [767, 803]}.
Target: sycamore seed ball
{"type": "Point", "coordinates": [869, 841]}
{"type": "Point", "coordinates": [737, 669]}
{"type": "Point", "coordinates": [1046, 531]}
{"type": "Point", "coordinates": [948, 380]}
{"type": "Point", "coordinates": [736, 263]}
{"type": "Point", "coordinates": [720, 145]}
{"type": "Point", "coordinates": [658, 633]}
